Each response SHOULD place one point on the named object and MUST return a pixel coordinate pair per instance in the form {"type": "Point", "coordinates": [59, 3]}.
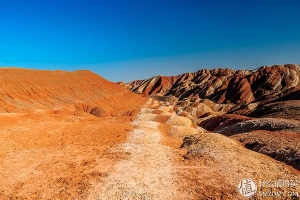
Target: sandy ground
{"type": "Point", "coordinates": [154, 155]}
{"type": "Point", "coordinates": [147, 174]}
{"type": "Point", "coordinates": [57, 156]}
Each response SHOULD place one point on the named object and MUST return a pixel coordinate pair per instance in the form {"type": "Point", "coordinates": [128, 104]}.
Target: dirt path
{"type": "Point", "coordinates": [147, 173]}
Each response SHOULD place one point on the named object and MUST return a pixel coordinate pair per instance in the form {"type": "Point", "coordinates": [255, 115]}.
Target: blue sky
{"type": "Point", "coordinates": [137, 39]}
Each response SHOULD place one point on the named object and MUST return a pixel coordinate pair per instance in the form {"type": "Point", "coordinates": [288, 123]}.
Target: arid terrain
{"type": "Point", "coordinates": [260, 108]}
{"type": "Point", "coordinates": [76, 135]}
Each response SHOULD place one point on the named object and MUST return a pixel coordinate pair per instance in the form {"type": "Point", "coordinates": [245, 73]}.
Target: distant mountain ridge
{"type": "Point", "coordinates": [266, 83]}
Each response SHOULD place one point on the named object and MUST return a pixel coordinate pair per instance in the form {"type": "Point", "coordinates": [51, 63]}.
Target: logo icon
{"type": "Point", "coordinates": [247, 188]}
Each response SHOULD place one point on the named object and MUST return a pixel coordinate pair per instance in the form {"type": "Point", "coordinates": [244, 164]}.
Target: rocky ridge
{"type": "Point", "coordinates": [224, 85]}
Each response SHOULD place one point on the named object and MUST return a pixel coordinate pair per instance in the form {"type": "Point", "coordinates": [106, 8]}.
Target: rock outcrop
{"type": "Point", "coordinates": [269, 124]}
{"type": "Point", "coordinates": [283, 109]}
{"type": "Point", "coordinates": [282, 146]}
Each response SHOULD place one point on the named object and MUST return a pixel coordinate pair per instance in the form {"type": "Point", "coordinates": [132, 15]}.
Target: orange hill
{"type": "Point", "coordinates": [24, 90]}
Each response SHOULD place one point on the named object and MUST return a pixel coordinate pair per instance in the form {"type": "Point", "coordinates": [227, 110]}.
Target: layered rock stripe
{"type": "Point", "coordinates": [224, 85]}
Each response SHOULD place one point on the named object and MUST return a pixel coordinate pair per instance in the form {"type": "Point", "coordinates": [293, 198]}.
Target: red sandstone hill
{"type": "Point", "coordinates": [25, 90]}
{"type": "Point", "coordinates": [225, 85]}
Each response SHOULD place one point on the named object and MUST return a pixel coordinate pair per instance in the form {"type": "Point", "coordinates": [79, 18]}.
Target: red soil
{"type": "Point", "coordinates": [27, 91]}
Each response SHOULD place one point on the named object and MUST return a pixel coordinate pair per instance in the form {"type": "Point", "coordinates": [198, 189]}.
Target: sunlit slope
{"type": "Point", "coordinates": [23, 90]}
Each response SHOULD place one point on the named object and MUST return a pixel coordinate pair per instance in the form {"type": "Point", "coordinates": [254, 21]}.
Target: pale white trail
{"type": "Point", "coordinates": [147, 174]}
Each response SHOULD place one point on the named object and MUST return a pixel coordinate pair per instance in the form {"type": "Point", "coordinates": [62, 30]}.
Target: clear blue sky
{"type": "Point", "coordinates": [136, 39]}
